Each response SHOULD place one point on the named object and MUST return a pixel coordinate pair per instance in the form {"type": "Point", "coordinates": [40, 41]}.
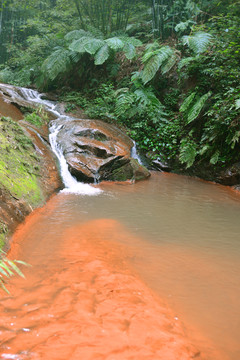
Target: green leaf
{"type": "Point", "coordinates": [187, 102]}
{"type": "Point", "coordinates": [215, 157]}
{"type": "Point", "coordinates": [198, 42]}
{"type": "Point", "coordinates": [56, 63]}
{"type": "Point", "coordinates": [197, 107]}
{"type": "Point", "coordinates": [115, 43]}
{"type": "Point", "coordinates": [188, 152]}
{"type": "Point", "coordinates": [154, 60]}
{"type": "Point", "coordinates": [93, 45]}
{"type": "Point", "coordinates": [101, 55]}
{"type": "Point", "coordinates": [130, 51]}
{"type": "Point", "coordinates": [237, 104]}
{"type": "Point", "coordinates": [77, 34]}
{"type": "Point", "coordinates": [185, 62]}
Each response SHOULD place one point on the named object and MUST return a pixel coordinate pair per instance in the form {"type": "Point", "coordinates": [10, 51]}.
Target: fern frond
{"type": "Point", "coordinates": [171, 61]}
{"type": "Point", "coordinates": [131, 40]}
{"type": "Point", "coordinates": [185, 62]}
{"type": "Point", "coordinates": [188, 152]}
{"type": "Point", "coordinates": [154, 61]}
{"type": "Point", "coordinates": [124, 102]}
{"type": "Point", "coordinates": [79, 45]}
{"type": "Point", "coordinates": [101, 55]}
{"type": "Point", "coordinates": [187, 102]}
{"type": "Point", "coordinates": [93, 45]}
{"type": "Point", "coordinates": [56, 63]}
{"type": "Point", "coordinates": [198, 42]}
{"type": "Point", "coordinates": [197, 107]}
{"type": "Point", "coordinates": [115, 43]}
{"type": "Point", "coordinates": [129, 51]}
{"type": "Point", "coordinates": [77, 34]}
{"type": "Point", "coordinates": [237, 104]}
{"type": "Point", "coordinates": [215, 157]}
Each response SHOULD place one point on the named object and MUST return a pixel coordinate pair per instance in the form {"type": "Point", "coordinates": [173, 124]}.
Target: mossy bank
{"type": "Point", "coordinates": [22, 175]}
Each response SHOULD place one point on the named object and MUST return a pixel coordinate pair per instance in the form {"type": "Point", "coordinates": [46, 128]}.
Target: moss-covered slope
{"type": "Point", "coordinates": [24, 174]}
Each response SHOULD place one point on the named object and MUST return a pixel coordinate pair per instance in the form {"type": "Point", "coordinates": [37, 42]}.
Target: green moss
{"type": "Point", "coordinates": [3, 234]}
{"type": "Point", "coordinates": [18, 163]}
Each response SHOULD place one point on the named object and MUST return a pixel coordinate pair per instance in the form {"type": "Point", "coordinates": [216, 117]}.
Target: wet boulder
{"type": "Point", "coordinates": [97, 151]}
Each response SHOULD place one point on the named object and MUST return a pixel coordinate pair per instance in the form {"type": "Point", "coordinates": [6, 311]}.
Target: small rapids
{"type": "Point", "coordinates": [35, 99]}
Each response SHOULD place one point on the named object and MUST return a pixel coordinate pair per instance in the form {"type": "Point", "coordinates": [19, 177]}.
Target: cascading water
{"type": "Point", "coordinates": [34, 98]}
{"type": "Point", "coordinates": [134, 153]}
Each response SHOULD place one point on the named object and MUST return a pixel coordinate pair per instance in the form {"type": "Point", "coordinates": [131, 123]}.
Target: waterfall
{"type": "Point", "coordinates": [134, 153]}
{"type": "Point", "coordinates": [34, 98]}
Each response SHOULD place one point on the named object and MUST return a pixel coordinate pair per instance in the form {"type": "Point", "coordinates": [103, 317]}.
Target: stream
{"type": "Point", "coordinates": [116, 267]}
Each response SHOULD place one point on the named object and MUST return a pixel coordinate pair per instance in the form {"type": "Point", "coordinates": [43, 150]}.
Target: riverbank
{"type": "Point", "coordinates": [28, 173]}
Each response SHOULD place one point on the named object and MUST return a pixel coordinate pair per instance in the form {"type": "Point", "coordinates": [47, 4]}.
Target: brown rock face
{"type": "Point", "coordinates": [97, 151]}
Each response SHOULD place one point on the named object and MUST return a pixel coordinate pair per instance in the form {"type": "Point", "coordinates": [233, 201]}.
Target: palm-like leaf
{"type": "Point", "coordinates": [115, 43]}
{"type": "Point", "coordinates": [77, 34]}
{"type": "Point", "coordinates": [198, 42]}
{"type": "Point", "coordinates": [154, 60]}
{"type": "Point", "coordinates": [130, 51]}
{"type": "Point", "coordinates": [93, 45]}
{"type": "Point", "coordinates": [197, 107]}
{"type": "Point", "coordinates": [101, 55]}
{"type": "Point", "coordinates": [58, 62]}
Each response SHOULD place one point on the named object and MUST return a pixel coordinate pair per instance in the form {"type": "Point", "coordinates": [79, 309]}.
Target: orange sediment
{"type": "Point", "coordinates": [89, 305]}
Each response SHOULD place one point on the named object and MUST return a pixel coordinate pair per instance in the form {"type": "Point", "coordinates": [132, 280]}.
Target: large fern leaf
{"type": "Point", "coordinates": [188, 152]}
{"type": "Point", "coordinates": [79, 45]}
{"type": "Point", "coordinates": [198, 42]}
{"type": "Point", "coordinates": [154, 61]}
{"type": "Point", "coordinates": [58, 62]}
{"type": "Point", "coordinates": [169, 64]}
{"type": "Point", "coordinates": [77, 34]}
{"type": "Point", "coordinates": [197, 107]}
{"type": "Point", "coordinates": [130, 51]}
{"type": "Point", "coordinates": [187, 102]}
{"type": "Point", "coordinates": [101, 55]}
{"type": "Point", "coordinates": [185, 62]}
{"type": "Point", "coordinates": [93, 45]}
{"type": "Point", "coordinates": [131, 40]}
{"type": "Point", "coordinates": [115, 43]}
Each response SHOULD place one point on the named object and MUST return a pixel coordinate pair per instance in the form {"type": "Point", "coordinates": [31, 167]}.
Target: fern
{"type": "Point", "coordinates": [130, 51]}
{"type": "Point", "coordinates": [124, 103]}
{"type": "Point", "coordinates": [154, 60]}
{"type": "Point", "coordinates": [79, 44]}
{"type": "Point", "coordinates": [7, 269]}
{"type": "Point", "coordinates": [237, 104]}
{"type": "Point", "coordinates": [187, 102]}
{"type": "Point", "coordinates": [185, 62]}
{"type": "Point", "coordinates": [188, 152]}
{"type": "Point", "coordinates": [102, 55]}
{"type": "Point", "coordinates": [198, 42]}
{"type": "Point", "coordinates": [77, 34]}
{"type": "Point", "coordinates": [93, 45]}
{"type": "Point", "coordinates": [215, 157]}
{"type": "Point", "coordinates": [197, 107]}
{"type": "Point", "coordinates": [115, 43]}
{"type": "Point", "coordinates": [58, 62]}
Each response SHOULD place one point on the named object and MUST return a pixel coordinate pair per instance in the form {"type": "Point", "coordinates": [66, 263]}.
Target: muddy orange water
{"type": "Point", "coordinates": [145, 271]}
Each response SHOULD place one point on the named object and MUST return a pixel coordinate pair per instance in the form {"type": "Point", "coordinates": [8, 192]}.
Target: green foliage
{"type": "Point", "coordinates": [188, 152]}
{"type": "Point", "coordinates": [192, 109]}
{"type": "Point", "coordinates": [8, 268]}
{"type": "Point", "coordinates": [156, 58]}
{"type": "Point", "coordinates": [198, 42]}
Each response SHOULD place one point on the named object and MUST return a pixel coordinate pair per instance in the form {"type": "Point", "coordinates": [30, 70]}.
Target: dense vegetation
{"type": "Point", "coordinates": [166, 70]}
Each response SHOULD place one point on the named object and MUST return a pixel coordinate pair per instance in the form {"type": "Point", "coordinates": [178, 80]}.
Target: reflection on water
{"type": "Point", "coordinates": [181, 236]}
